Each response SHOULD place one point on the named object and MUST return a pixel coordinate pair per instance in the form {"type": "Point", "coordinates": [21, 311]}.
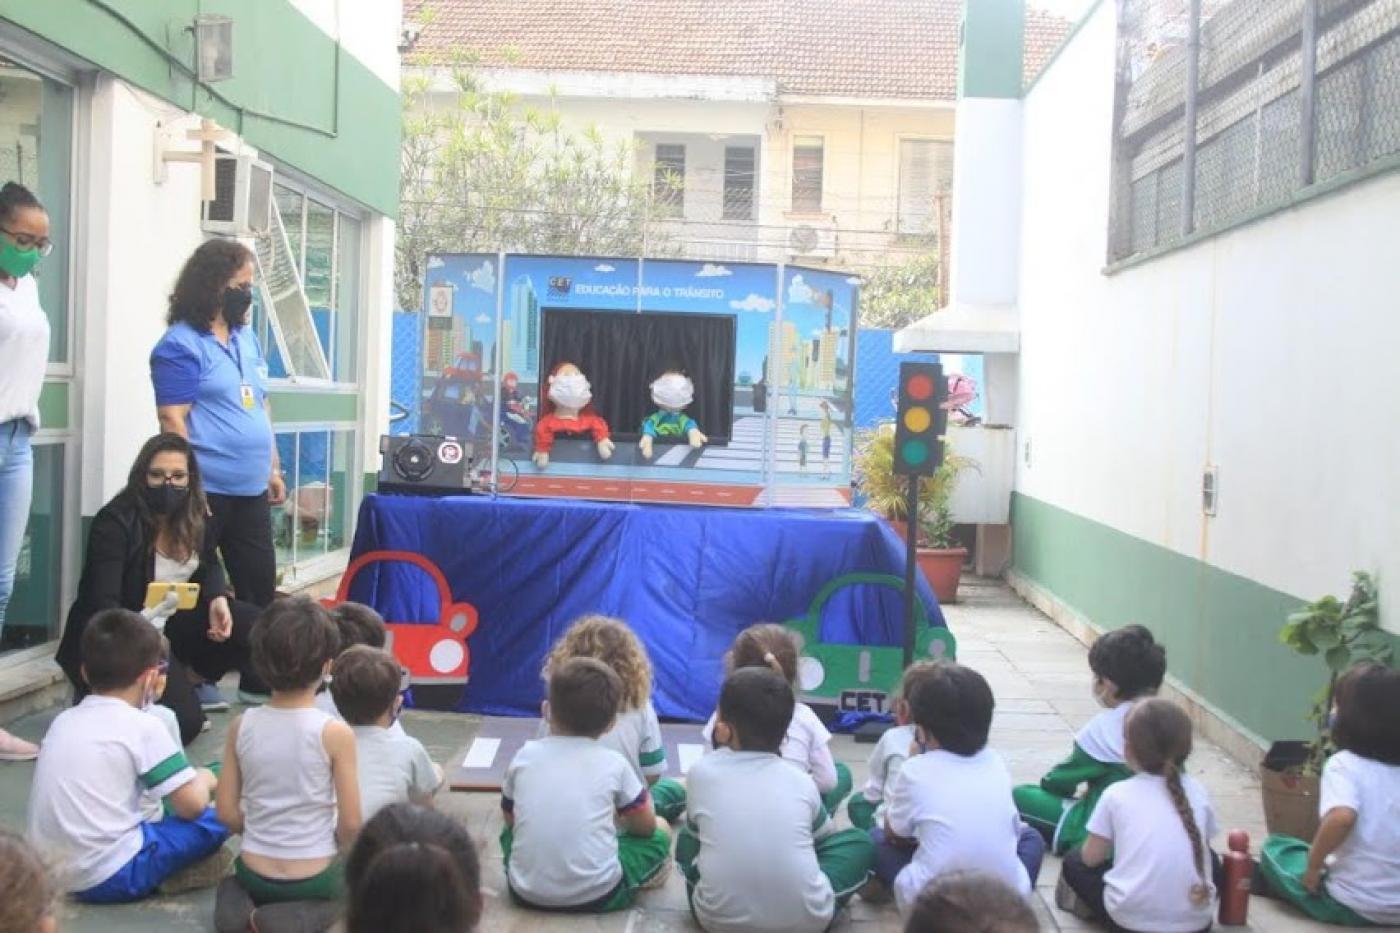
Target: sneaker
{"type": "Point", "coordinates": [14, 748]}
{"type": "Point", "coordinates": [202, 874]}
{"type": "Point", "coordinates": [210, 699]}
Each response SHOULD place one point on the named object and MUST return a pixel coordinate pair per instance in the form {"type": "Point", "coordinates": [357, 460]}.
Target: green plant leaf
{"type": "Point", "coordinates": [1338, 658]}
{"type": "Point", "coordinates": [1325, 638]}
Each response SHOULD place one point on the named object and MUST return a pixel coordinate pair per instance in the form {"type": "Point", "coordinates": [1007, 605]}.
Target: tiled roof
{"type": "Point", "coordinates": [903, 49]}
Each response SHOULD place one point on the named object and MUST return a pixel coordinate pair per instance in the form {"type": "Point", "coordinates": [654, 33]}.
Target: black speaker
{"type": "Point", "coordinates": [424, 464]}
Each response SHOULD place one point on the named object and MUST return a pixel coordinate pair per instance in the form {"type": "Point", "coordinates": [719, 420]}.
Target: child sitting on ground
{"type": "Point", "coordinates": [807, 741]}
{"type": "Point", "coordinates": [1350, 874]}
{"type": "Point", "coordinates": [393, 767]}
{"type": "Point", "coordinates": [356, 624]}
{"type": "Point", "coordinates": [969, 902]}
{"type": "Point", "coordinates": [96, 761]}
{"type": "Point", "coordinates": [564, 797]}
{"type": "Point", "coordinates": [152, 806]}
{"type": "Point", "coordinates": [1155, 826]}
{"type": "Point", "coordinates": [866, 809]}
{"type": "Point", "coordinates": [759, 851]}
{"type": "Point", "coordinates": [950, 807]}
{"type": "Point", "coordinates": [27, 894]}
{"type": "Point", "coordinates": [637, 733]}
{"type": "Point", "coordinates": [413, 870]}
{"type": "Point", "coordinates": [1127, 664]}
{"type": "Point", "coordinates": [289, 781]}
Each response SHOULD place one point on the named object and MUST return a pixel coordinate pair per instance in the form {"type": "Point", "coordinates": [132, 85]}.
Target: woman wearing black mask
{"type": "Point", "coordinates": [209, 379]}
{"type": "Point", "coordinates": [155, 531]}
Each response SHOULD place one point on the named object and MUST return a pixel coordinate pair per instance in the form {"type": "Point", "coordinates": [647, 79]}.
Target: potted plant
{"type": "Point", "coordinates": [1342, 633]}
{"type": "Point", "coordinates": [940, 555]}
{"type": "Point", "coordinates": [886, 494]}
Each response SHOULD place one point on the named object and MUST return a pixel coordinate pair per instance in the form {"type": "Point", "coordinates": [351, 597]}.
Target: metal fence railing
{"type": "Point", "coordinates": [1229, 107]}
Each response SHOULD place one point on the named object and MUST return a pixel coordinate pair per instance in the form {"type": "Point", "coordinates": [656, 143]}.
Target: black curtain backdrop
{"type": "Point", "coordinates": [622, 352]}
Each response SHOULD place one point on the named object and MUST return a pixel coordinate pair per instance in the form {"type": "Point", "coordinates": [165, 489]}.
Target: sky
{"type": "Point", "coordinates": [1069, 9]}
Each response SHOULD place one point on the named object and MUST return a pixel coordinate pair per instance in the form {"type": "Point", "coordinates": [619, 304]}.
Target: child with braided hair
{"type": "Point", "coordinates": [1155, 826]}
{"type": "Point", "coordinates": [807, 743]}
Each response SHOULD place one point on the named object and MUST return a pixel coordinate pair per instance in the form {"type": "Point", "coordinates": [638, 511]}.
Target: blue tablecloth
{"type": "Point", "coordinates": [686, 579]}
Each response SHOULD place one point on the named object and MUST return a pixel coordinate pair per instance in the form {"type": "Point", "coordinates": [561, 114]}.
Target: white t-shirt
{"type": "Point", "coordinates": [392, 766]}
{"type": "Point", "coordinates": [288, 791]}
{"type": "Point", "coordinates": [151, 809]}
{"type": "Point", "coordinates": [757, 818]}
{"type": "Point", "coordinates": [85, 806]}
{"type": "Point", "coordinates": [807, 745]}
{"type": "Point", "coordinates": [1102, 737]}
{"type": "Point", "coordinates": [1149, 885]}
{"type": "Point", "coordinates": [636, 736]}
{"type": "Point", "coordinates": [1365, 873]}
{"type": "Point", "coordinates": [24, 351]}
{"type": "Point", "coordinates": [170, 570]}
{"type": "Point", "coordinates": [960, 811]}
{"type": "Point", "coordinates": [885, 761]}
{"type": "Point", "coordinates": [565, 793]}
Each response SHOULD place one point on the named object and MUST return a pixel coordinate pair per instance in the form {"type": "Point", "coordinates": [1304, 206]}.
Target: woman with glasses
{"type": "Point", "coordinates": [209, 379]}
{"type": "Point", "coordinates": [24, 354]}
{"type": "Point", "coordinates": [156, 531]}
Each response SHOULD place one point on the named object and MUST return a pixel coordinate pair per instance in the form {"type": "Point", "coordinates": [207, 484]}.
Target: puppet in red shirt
{"type": "Point", "coordinates": [566, 408]}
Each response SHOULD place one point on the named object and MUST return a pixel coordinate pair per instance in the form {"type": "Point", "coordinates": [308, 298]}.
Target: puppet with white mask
{"type": "Point", "coordinates": [566, 408]}
{"type": "Point", "coordinates": [672, 392]}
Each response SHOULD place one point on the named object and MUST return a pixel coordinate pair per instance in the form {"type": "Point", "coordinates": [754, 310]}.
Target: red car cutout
{"type": "Point", "coordinates": [435, 652]}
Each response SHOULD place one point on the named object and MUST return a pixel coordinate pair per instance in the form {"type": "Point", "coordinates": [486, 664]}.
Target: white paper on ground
{"type": "Point", "coordinates": [482, 753]}
{"type": "Point", "coordinates": [689, 754]}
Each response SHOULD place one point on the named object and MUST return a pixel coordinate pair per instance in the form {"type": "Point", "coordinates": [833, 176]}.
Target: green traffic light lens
{"type": "Point", "coordinates": [914, 452]}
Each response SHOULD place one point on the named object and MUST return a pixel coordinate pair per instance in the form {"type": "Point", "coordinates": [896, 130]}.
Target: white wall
{"type": "Point", "coordinates": [367, 29]}
{"type": "Point", "coordinates": [1269, 351]}
{"type": "Point", "coordinates": [137, 235]}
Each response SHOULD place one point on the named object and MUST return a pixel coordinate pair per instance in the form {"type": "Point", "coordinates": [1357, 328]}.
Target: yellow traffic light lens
{"type": "Point", "coordinates": [917, 420]}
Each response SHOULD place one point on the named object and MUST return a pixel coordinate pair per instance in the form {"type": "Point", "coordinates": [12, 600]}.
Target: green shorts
{"type": "Point", "coordinates": [1282, 863]}
{"type": "Point", "coordinates": [326, 885]}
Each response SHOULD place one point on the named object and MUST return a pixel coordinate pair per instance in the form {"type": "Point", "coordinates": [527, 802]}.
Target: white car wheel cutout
{"type": "Point", "coordinates": [447, 655]}
{"type": "Point", "coordinates": [810, 673]}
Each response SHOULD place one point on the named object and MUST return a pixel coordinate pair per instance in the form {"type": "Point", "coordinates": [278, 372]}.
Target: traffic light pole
{"type": "Point", "coordinates": [911, 543]}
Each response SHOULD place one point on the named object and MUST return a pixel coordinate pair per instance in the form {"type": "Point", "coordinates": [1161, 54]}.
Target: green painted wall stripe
{"type": "Point", "coordinates": [53, 406]}
{"type": "Point", "coordinates": [284, 66]}
{"type": "Point", "coordinates": [304, 407]}
{"type": "Point", "coordinates": [1220, 629]}
{"type": "Point", "coordinates": [991, 62]}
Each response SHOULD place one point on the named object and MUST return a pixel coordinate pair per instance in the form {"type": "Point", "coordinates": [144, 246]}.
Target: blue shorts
{"type": "Point", "coordinates": [167, 847]}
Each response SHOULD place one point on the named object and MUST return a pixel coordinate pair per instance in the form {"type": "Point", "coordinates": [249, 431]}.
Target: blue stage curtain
{"type": "Point", "coordinates": [687, 579]}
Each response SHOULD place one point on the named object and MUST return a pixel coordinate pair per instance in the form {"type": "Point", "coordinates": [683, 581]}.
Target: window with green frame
{"type": "Point", "coordinates": [319, 464]}
{"type": "Point", "coordinates": [325, 244]}
{"type": "Point", "coordinates": [36, 604]}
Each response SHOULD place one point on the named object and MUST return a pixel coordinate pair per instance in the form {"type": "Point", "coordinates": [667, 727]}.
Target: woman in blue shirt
{"type": "Point", "coordinates": [209, 378]}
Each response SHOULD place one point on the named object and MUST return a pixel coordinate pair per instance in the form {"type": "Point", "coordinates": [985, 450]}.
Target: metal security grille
{"type": "Point", "coordinates": [1227, 108]}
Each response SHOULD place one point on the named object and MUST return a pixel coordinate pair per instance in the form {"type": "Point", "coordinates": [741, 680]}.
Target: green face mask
{"type": "Point", "coordinates": [17, 262]}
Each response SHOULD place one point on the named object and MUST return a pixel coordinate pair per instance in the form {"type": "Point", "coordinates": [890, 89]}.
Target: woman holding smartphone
{"type": "Point", "coordinates": [155, 531]}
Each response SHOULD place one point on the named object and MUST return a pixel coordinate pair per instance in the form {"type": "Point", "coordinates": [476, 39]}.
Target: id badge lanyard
{"type": "Point", "coordinates": [245, 389]}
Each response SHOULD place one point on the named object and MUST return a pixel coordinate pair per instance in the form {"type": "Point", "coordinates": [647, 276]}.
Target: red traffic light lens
{"type": "Point", "coordinates": [920, 388]}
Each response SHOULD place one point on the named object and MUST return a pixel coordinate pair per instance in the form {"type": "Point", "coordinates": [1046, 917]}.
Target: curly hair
{"type": "Point", "coordinates": [27, 888]}
{"type": "Point", "coordinates": [199, 291]}
{"type": "Point", "coordinates": [608, 640]}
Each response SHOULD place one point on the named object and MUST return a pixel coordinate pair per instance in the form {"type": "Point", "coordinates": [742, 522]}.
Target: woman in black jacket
{"type": "Point", "coordinates": [154, 530]}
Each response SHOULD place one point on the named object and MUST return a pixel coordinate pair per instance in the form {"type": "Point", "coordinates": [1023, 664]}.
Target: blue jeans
{"type": "Point", "coordinates": [891, 859]}
{"type": "Point", "coordinates": [167, 847]}
{"type": "Point", "coordinates": [16, 489]}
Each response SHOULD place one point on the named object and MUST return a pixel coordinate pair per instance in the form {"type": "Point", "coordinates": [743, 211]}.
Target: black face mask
{"type": "Point", "coordinates": [165, 499]}
{"type": "Point", "coordinates": [236, 304]}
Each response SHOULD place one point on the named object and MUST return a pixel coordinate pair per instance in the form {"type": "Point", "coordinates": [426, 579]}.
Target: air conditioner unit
{"type": "Point", "coordinates": [242, 205]}
{"type": "Point", "coordinates": [809, 242]}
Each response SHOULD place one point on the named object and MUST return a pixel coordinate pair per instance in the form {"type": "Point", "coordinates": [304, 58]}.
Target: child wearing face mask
{"type": "Point", "coordinates": [99, 758]}
{"type": "Point", "coordinates": [1128, 665]}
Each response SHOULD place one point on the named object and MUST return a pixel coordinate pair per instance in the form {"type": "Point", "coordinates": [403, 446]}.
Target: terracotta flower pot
{"type": "Point", "coordinates": [943, 569]}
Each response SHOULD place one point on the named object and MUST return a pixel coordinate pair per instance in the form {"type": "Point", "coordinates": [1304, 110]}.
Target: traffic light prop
{"type": "Point", "coordinates": [920, 420]}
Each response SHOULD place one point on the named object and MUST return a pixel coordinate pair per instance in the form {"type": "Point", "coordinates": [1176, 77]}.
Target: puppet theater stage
{"type": "Point", "coordinates": [689, 546]}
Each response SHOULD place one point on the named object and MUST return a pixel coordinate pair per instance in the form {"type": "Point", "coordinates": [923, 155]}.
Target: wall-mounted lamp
{"type": "Point", "coordinates": [213, 43]}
